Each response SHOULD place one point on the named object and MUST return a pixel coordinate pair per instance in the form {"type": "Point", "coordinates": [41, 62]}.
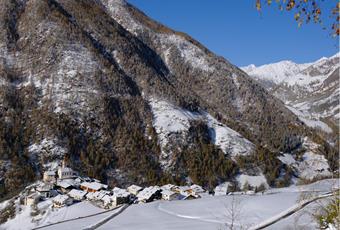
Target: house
{"type": "Point", "coordinates": [45, 190]}
{"type": "Point", "coordinates": [121, 192]}
{"type": "Point", "coordinates": [110, 201]}
{"type": "Point", "coordinates": [92, 186]}
{"type": "Point", "coordinates": [169, 195]}
{"type": "Point", "coordinates": [122, 196]}
{"type": "Point", "coordinates": [61, 201]}
{"type": "Point", "coordinates": [186, 190]}
{"type": "Point", "coordinates": [107, 201]}
{"type": "Point", "coordinates": [97, 195]}
{"type": "Point", "coordinates": [64, 186]}
{"type": "Point", "coordinates": [222, 189]}
{"type": "Point", "coordinates": [49, 177]}
{"type": "Point", "coordinates": [77, 194]}
{"type": "Point", "coordinates": [65, 173]}
{"type": "Point", "coordinates": [197, 189]}
{"type": "Point", "coordinates": [32, 199]}
{"type": "Point", "coordinates": [134, 189]}
{"type": "Point", "coordinates": [168, 187]}
{"type": "Point", "coordinates": [149, 194]}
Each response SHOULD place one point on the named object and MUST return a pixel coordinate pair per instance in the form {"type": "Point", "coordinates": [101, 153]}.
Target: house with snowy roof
{"type": "Point", "coordinates": [111, 201]}
{"type": "Point", "coordinates": [222, 189]}
{"type": "Point", "coordinates": [32, 199]}
{"type": "Point", "coordinates": [92, 186]}
{"type": "Point", "coordinates": [97, 195]}
{"type": "Point", "coordinates": [61, 201]}
{"type": "Point", "coordinates": [149, 194]}
{"type": "Point", "coordinates": [46, 190]}
{"type": "Point", "coordinates": [77, 194]}
{"type": "Point", "coordinates": [168, 187]}
{"type": "Point", "coordinates": [170, 195]}
{"type": "Point", "coordinates": [64, 186]}
{"type": "Point", "coordinates": [49, 177]}
{"type": "Point", "coordinates": [134, 189]}
{"type": "Point", "coordinates": [197, 189]}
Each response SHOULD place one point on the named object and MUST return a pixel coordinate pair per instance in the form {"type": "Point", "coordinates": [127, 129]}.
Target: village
{"type": "Point", "coordinates": [65, 187]}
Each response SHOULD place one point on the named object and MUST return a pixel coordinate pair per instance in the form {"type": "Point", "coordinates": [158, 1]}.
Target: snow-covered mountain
{"type": "Point", "coordinates": [309, 90]}
{"type": "Point", "coordinates": [127, 100]}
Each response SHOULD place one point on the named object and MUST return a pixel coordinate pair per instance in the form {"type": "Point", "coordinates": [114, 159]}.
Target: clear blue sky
{"type": "Point", "coordinates": [235, 30]}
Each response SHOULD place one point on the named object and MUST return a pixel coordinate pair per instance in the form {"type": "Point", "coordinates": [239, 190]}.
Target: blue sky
{"type": "Point", "coordinates": [236, 31]}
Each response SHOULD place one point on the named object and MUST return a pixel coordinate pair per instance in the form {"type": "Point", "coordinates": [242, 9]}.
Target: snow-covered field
{"type": "Point", "coordinates": [25, 221]}
{"type": "Point", "coordinates": [209, 212]}
{"type": "Point", "coordinates": [214, 212]}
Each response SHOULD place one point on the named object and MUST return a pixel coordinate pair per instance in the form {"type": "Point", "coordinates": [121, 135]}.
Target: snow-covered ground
{"type": "Point", "coordinates": [48, 215]}
{"type": "Point", "coordinates": [214, 212]}
{"type": "Point", "coordinates": [209, 212]}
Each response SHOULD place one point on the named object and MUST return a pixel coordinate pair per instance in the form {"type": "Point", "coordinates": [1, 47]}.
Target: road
{"type": "Point", "coordinates": [290, 211]}
{"type": "Point", "coordinates": [77, 218]}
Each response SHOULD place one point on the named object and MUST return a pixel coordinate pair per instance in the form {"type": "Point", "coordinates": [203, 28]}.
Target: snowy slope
{"type": "Point", "coordinates": [170, 119]}
{"type": "Point", "coordinates": [309, 90]}
{"type": "Point", "coordinates": [310, 165]}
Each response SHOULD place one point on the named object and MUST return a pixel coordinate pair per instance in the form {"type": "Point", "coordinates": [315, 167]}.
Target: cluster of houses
{"type": "Point", "coordinates": [65, 188]}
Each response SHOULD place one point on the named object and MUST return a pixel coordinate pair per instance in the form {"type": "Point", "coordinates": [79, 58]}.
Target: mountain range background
{"type": "Point", "coordinates": [127, 100]}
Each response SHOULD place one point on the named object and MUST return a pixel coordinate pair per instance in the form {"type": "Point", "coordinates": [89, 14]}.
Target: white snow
{"type": "Point", "coordinates": [313, 123]}
{"type": "Point", "coordinates": [286, 72]}
{"type": "Point", "coordinates": [305, 88]}
{"type": "Point", "coordinates": [253, 181]}
{"type": "Point", "coordinates": [208, 212]}
{"type": "Point", "coordinates": [189, 52]}
{"type": "Point", "coordinates": [311, 165]}
{"type": "Point", "coordinates": [213, 212]}
{"type": "Point", "coordinates": [47, 147]}
{"type": "Point", "coordinates": [170, 119]}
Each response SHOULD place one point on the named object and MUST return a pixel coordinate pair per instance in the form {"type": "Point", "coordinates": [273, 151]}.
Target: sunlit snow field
{"type": "Point", "coordinates": [209, 212]}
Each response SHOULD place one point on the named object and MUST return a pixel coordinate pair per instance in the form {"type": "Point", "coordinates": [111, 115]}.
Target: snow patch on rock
{"type": "Point", "coordinates": [253, 181]}
{"type": "Point", "coordinates": [47, 147]}
{"type": "Point", "coordinates": [169, 119]}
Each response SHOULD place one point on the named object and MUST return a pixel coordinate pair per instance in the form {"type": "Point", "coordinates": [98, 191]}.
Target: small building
{"type": "Point", "coordinates": [169, 187]}
{"type": "Point", "coordinates": [111, 201]}
{"type": "Point", "coordinates": [92, 186]}
{"type": "Point", "coordinates": [49, 177]}
{"type": "Point", "coordinates": [61, 201]}
{"type": "Point", "coordinates": [186, 190]}
{"type": "Point", "coordinates": [222, 189]}
{"type": "Point", "coordinates": [107, 201]}
{"type": "Point", "coordinates": [77, 194]}
{"type": "Point", "coordinates": [122, 196]}
{"type": "Point", "coordinates": [149, 194]}
{"type": "Point", "coordinates": [45, 190]}
{"type": "Point", "coordinates": [32, 199]}
{"type": "Point", "coordinates": [169, 195]}
{"type": "Point", "coordinates": [64, 186]}
{"type": "Point", "coordinates": [197, 189]}
{"type": "Point", "coordinates": [134, 189]}
{"type": "Point", "coordinates": [97, 195]}
{"type": "Point", "coordinates": [65, 173]}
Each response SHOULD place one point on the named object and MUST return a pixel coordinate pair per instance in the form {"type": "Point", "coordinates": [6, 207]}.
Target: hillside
{"type": "Point", "coordinates": [126, 100]}
{"type": "Point", "coordinates": [309, 90]}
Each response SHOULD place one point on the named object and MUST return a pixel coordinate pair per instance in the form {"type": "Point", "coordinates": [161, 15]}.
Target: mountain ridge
{"type": "Point", "coordinates": [86, 81]}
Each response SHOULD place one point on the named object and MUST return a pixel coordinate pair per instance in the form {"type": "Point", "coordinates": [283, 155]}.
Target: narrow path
{"type": "Point", "coordinates": [289, 212]}
{"type": "Point", "coordinates": [77, 218]}
{"type": "Point", "coordinates": [107, 219]}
